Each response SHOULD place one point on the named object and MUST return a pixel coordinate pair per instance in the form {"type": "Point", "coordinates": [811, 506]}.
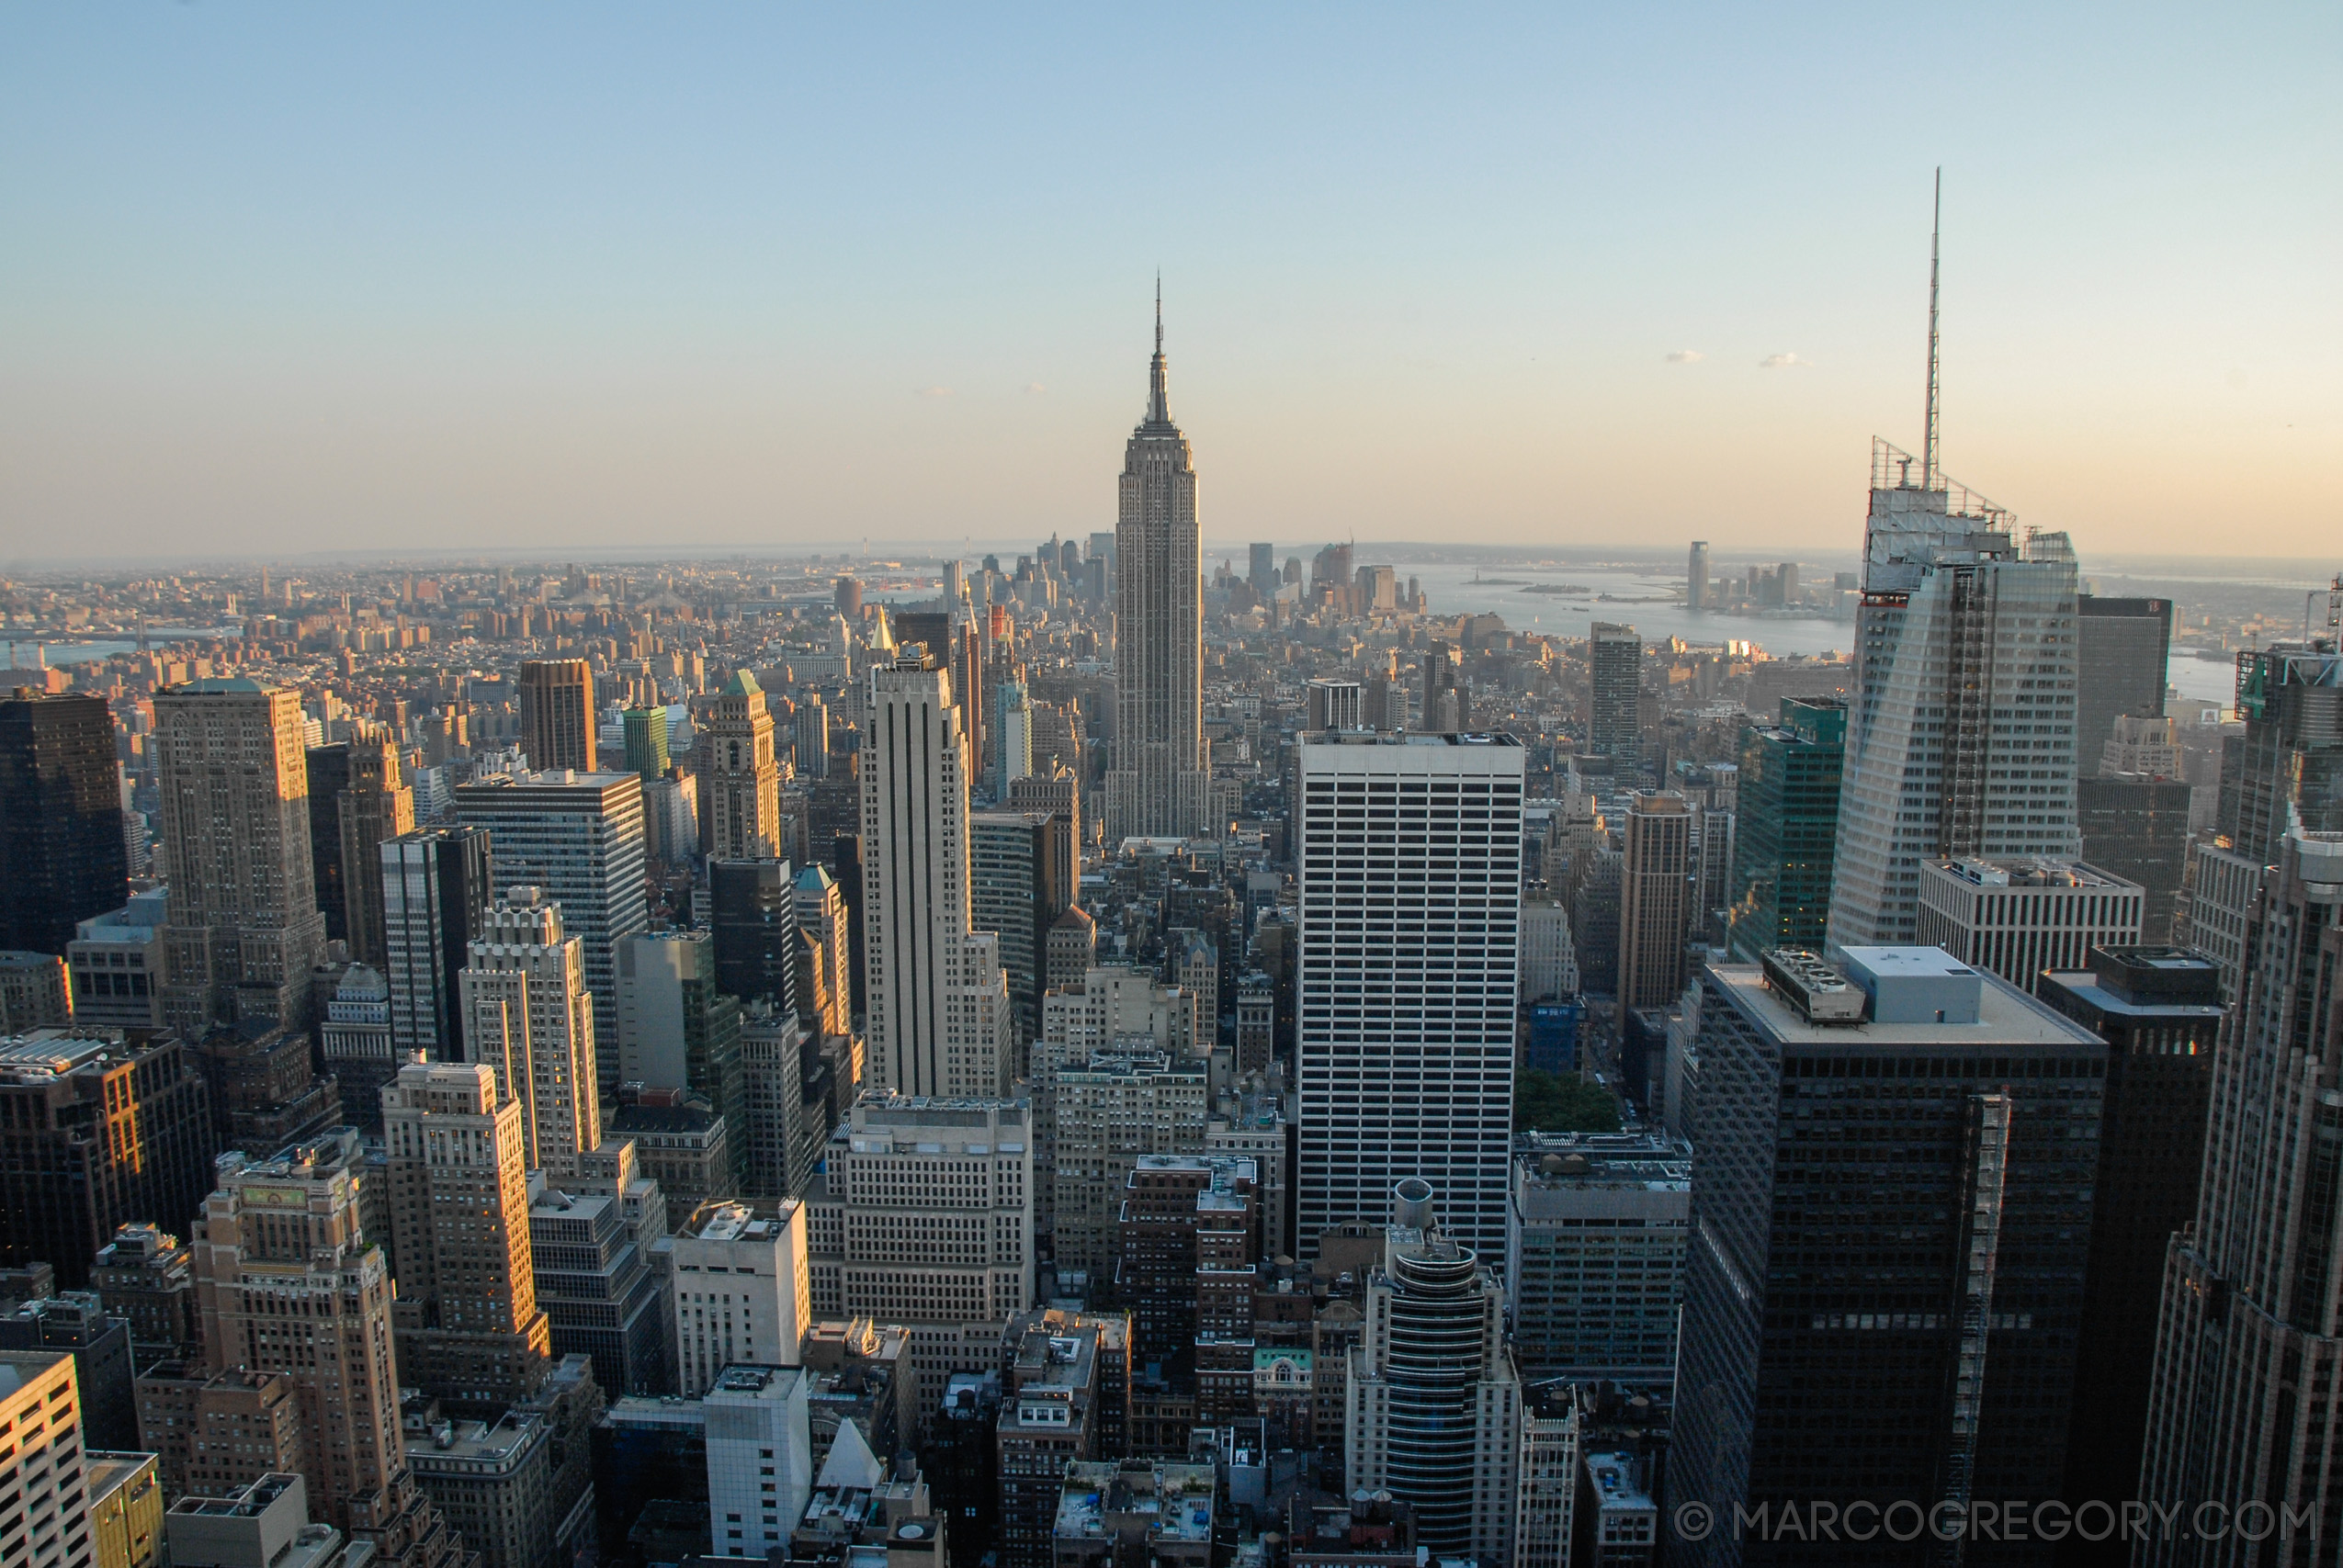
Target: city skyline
{"type": "Point", "coordinates": [269, 310]}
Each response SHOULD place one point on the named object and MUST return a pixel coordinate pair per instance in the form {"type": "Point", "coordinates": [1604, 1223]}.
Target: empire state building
{"type": "Point", "coordinates": [1160, 785]}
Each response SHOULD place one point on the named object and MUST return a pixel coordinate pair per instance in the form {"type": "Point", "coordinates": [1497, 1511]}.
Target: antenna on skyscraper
{"type": "Point", "coordinates": [1158, 311]}
{"type": "Point", "coordinates": [1927, 439]}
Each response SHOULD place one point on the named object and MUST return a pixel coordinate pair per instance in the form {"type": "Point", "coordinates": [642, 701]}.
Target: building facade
{"type": "Point", "coordinates": [436, 889]}
{"type": "Point", "coordinates": [1788, 827]}
{"type": "Point", "coordinates": [1410, 896]}
{"type": "Point", "coordinates": [558, 723]}
{"type": "Point", "coordinates": [740, 774]}
{"type": "Point", "coordinates": [528, 1017]}
{"type": "Point", "coordinates": [62, 855]}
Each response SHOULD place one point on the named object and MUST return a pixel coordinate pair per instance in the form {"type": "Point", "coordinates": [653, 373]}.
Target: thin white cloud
{"type": "Point", "coordinates": [1034, 388]}
{"type": "Point", "coordinates": [1785, 362]}
{"type": "Point", "coordinates": [1686, 356]}
{"type": "Point", "coordinates": [932, 392]}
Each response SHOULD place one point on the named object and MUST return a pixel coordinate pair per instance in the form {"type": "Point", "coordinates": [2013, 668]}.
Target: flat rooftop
{"type": "Point", "coordinates": [2006, 1017]}
{"type": "Point", "coordinates": [2029, 873]}
{"type": "Point", "coordinates": [1376, 738]}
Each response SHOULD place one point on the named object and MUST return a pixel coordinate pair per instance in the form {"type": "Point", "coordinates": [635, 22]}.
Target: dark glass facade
{"type": "Point", "coordinates": [1786, 827]}
{"type": "Point", "coordinates": [61, 855]}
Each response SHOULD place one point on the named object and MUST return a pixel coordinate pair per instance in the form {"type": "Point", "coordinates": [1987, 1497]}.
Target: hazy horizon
{"type": "Point", "coordinates": [585, 279]}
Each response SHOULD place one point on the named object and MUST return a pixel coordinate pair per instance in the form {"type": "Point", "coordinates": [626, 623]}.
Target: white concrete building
{"type": "Point", "coordinates": [741, 1291]}
{"type": "Point", "coordinates": [760, 1458]}
{"type": "Point", "coordinates": [938, 1020]}
{"type": "Point", "coordinates": [1410, 902]}
{"type": "Point", "coordinates": [2018, 917]}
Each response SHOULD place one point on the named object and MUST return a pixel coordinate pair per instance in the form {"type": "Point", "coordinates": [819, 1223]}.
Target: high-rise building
{"type": "Point", "coordinates": [1655, 898]}
{"type": "Point", "coordinates": [1055, 787]}
{"type": "Point", "coordinates": [126, 1510]}
{"type": "Point", "coordinates": [740, 776]}
{"type": "Point", "coordinates": [62, 855]}
{"type": "Point", "coordinates": [287, 1282]}
{"type": "Point", "coordinates": [1433, 1410]}
{"type": "Point", "coordinates": [2246, 1343]}
{"type": "Point", "coordinates": [1595, 1238]}
{"type": "Point", "coordinates": [760, 1459]}
{"type": "Point", "coordinates": [1110, 1110]}
{"type": "Point", "coordinates": [327, 767]}
{"type": "Point", "coordinates": [1070, 951]}
{"type": "Point", "coordinates": [1011, 736]}
{"type": "Point", "coordinates": [786, 1126]}
{"type": "Point", "coordinates": [436, 889]}
{"type": "Point", "coordinates": [97, 1135]}
{"type": "Point", "coordinates": [1892, 1202]}
{"type": "Point", "coordinates": [925, 1217]}
{"type": "Point", "coordinates": [1411, 898]}
{"type": "Point", "coordinates": [2290, 699]}
{"type": "Point", "coordinates": [1696, 576]}
{"type": "Point", "coordinates": [579, 838]}
{"type": "Point", "coordinates": [2159, 1010]}
{"type": "Point", "coordinates": [116, 963]}
{"type": "Point", "coordinates": [45, 1471]}
{"type": "Point", "coordinates": [263, 1089]}
{"type": "Point", "coordinates": [215, 1433]}
{"type": "Point", "coordinates": [829, 933]}
{"type": "Point", "coordinates": [1614, 666]}
{"type": "Point", "coordinates": [470, 1331]}
{"type": "Point", "coordinates": [558, 725]}
{"type": "Point", "coordinates": [752, 921]}
{"type": "Point", "coordinates": [1786, 829]}
{"type": "Point", "coordinates": [354, 1038]}
{"type": "Point", "coordinates": [1961, 737]}
{"type": "Point", "coordinates": [937, 1015]}
{"type": "Point", "coordinates": [1262, 571]}
{"type": "Point", "coordinates": [34, 993]}
{"type": "Point", "coordinates": [1019, 883]}
{"type": "Point", "coordinates": [596, 1285]}
{"type": "Point", "coordinates": [1067, 1377]}
{"type": "Point", "coordinates": [529, 1020]}
{"type": "Point", "coordinates": [1335, 703]}
{"type": "Point", "coordinates": [375, 805]}
{"type": "Point", "coordinates": [244, 929]}
{"type": "Point", "coordinates": [2136, 828]}
{"type": "Point", "coordinates": [679, 1030]}
{"type": "Point", "coordinates": [645, 737]}
{"type": "Point", "coordinates": [740, 1291]}
{"type": "Point", "coordinates": [77, 1322]}
{"type": "Point", "coordinates": [143, 1277]}
{"type": "Point", "coordinates": [2019, 918]}
{"type": "Point", "coordinates": [1160, 781]}
{"type": "Point", "coordinates": [809, 748]}
{"type": "Point", "coordinates": [1187, 1236]}
{"type": "Point", "coordinates": [2122, 651]}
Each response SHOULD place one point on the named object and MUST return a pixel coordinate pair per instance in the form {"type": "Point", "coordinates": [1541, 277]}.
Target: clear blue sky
{"type": "Point", "coordinates": [280, 276]}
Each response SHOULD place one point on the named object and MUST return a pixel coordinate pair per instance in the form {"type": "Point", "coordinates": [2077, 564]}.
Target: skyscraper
{"type": "Point", "coordinates": [1013, 742]}
{"type": "Point", "coordinates": [1160, 786]}
{"type": "Point", "coordinates": [2137, 827]}
{"type": "Point", "coordinates": [1961, 735]}
{"type": "Point", "coordinates": [645, 733]}
{"type": "Point", "coordinates": [285, 1281]}
{"type": "Point", "coordinates": [2248, 1350]}
{"type": "Point", "coordinates": [374, 805]}
{"type": "Point", "coordinates": [753, 916]}
{"type": "Point", "coordinates": [1892, 1206]}
{"type": "Point", "coordinates": [1614, 662]}
{"type": "Point", "coordinates": [679, 1030]}
{"type": "Point", "coordinates": [1262, 571]}
{"type": "Point", "coordinates": [579, 837]}
{"type": "Point", "coordinates": [62, 857]}
{"type": "Point", "coordinates": [245, 930]}
{"type": "Point", "coordinates": [1411, 898]}
{"type": "Point", "coordinates": [1433, 1409]}
{"type": "Point", "coordinates": [2292, 753]}
{"type": "Point", "coordinates": [97, 1135]}
{"type": "Point", "coordinates": [528, 1019]}
{"type": "Point", "coordinates": [2019, 918]}
{"type": "Point", "coordinates": [739, 777]}
{"type": "Point", "coordinates": [1788, 827]}
{"type": "Point", "coordinates": [1018, 885]}
{"type": "Point", "coordinates": [1655, 895]}
{"type": "Point", "coordinates": [823, 917]}
{"type": "Point", "coordinates": [937, 1011]}
{"type": "Point", "coordinates": [810, 747]}
{"type": "Point", "coordinates": [469, 1328]}
{"type": "Point", "coordinates": [2159, 1010]}
{"type": "Point", "coordinates": [557, 727]}
{"type": "Point", "coordinates": [327, 769]}
{"type": "Point", "coordinates": [2122, 652]}
{"type": "Point", "coordinates": [435, 894]}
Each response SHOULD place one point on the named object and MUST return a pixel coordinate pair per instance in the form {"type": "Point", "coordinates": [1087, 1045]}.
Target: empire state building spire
{"type": "Point", "coordinates": [1158, 410]}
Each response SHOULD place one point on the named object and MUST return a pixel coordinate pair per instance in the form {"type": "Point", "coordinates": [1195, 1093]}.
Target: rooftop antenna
{"type": "Point", "coordinates": [1927, 440]}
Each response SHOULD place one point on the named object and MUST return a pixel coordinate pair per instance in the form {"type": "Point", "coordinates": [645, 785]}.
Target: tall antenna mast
{"type": "Point", "coordinates": [1927, 440]}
